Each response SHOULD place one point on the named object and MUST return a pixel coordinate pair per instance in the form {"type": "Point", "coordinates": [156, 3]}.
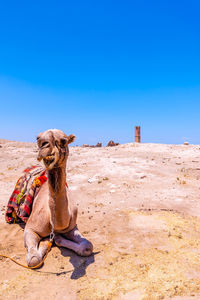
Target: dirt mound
{"type": "Point", "coordinates": [138, 204]}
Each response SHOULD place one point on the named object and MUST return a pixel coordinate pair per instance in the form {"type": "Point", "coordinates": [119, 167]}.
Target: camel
{"type": "Point", "coordinates": [52, 213]}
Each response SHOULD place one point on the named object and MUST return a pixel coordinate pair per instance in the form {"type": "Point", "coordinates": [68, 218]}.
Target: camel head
{"type": "Point", "coordinates": [53, 147]}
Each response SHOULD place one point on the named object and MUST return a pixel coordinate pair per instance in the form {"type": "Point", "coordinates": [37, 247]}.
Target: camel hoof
{"type": "Point", "coordinates": [86, 248]}
{"type": "Point", "coordinates": [33, 258]}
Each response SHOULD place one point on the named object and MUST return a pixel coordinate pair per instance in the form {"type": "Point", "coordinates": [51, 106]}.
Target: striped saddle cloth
{"type": "Point", "coordinates": [19, 206]}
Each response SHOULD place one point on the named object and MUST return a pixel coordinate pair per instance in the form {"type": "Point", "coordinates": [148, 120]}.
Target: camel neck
{"type": "Point", "coordinates": [57, 182]}
{"type": "Point", "coordinates": [58, 202]}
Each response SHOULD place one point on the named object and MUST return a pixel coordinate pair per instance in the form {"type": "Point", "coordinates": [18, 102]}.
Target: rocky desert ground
{"type": "Point", "coordinates": [140, 206]}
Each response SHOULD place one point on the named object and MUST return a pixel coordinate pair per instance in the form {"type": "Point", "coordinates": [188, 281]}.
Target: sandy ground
{"type": "Point", "coordinates": [138, 204]}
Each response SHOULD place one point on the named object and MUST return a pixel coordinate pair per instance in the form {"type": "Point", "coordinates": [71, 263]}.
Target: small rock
{"type": "Point", "coordinates": [186, 143]}
{"type": "Point", "coordinates": [93, 179]}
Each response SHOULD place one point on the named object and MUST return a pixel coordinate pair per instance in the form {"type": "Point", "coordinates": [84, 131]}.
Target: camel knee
{"type": "Point", "coordinates": [31, 242]}
{"type": "Point", "coordinates": [33, 257]}
{"type": "Point", "coordinates": [31, 239]}
{"type": "Point", "coordinates": [85, 248]}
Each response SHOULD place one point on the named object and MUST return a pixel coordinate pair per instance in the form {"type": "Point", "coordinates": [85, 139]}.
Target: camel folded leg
{"type": "Point", "coordinates": [35, 253]}
{"type": "Point", "coordinates": [75, 241]}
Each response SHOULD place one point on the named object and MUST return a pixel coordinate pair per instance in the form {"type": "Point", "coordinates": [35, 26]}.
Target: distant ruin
{"type": "Point", "coordinates": [111, 144]}
{"type": "Point", "coordinates": [137, 134]}
{"type": "Point", "coordinates": [98, 145]}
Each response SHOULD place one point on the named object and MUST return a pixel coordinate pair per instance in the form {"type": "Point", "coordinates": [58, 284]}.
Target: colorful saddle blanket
{"type": "Point", "coordinates": [27, 187]}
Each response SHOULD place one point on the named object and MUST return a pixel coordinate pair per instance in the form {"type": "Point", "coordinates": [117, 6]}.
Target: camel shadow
{"type": "Point", "coordinates": [80, 263]}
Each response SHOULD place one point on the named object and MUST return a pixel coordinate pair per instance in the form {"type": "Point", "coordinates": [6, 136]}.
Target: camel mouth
{"type": "Point", "coordinates": [48, 160]}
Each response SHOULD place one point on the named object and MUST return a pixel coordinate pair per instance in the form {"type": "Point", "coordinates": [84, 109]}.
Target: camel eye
{"type": "Point", "coordinates": [63, 142]}
{"type": "Point", "coordinates": [44, 144]}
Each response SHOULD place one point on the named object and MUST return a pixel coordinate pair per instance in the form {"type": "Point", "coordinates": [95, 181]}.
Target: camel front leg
{"type": "Point", "coordinates": [75, 241]}
{"type": "Point", "coordinates": [34, 252]}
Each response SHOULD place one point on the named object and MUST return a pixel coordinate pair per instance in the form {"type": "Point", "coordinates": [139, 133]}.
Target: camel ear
{"type": "Point", "coordinates": [71, 138]}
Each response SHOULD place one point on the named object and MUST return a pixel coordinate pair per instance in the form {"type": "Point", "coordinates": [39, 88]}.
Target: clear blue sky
{"type": "Point", "coordinates": [98, 68]}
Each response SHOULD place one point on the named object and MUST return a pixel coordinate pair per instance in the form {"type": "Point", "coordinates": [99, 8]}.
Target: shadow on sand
{"type": "Point", "coordinates": [79, 263]}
